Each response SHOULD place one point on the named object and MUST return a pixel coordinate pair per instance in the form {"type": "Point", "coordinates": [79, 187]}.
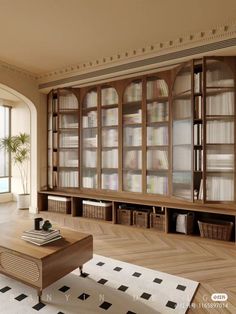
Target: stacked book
{"type": "Point", "coordinates": [41, 237]}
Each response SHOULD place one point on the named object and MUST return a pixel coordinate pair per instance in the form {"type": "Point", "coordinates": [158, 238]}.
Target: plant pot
{"type": "Point", "coordinates": [23, 201]}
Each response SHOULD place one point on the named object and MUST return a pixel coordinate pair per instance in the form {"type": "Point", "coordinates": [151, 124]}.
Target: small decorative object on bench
{"type": "Point", "coordinates": [141, 218]}
{"type": "Point", "coordinates": [98, 210]}
{"type": "Point", "coordinates": [216, 229]}
{"type": "Point", "coordinates": [184, 223]}
{"type": "Point", "coordinates": [59, 204]}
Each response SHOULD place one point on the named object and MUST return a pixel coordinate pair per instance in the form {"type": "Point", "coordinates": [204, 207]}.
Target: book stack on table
{"type": "Point", "coordinates": [41, 237]}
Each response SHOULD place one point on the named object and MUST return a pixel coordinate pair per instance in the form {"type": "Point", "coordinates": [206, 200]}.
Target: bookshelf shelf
{"type": "Point", "coordinates": [162, 137]}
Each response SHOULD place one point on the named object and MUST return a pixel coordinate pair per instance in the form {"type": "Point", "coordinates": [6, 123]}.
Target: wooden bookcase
{"type": "Point", "coordinates": [166, 139]}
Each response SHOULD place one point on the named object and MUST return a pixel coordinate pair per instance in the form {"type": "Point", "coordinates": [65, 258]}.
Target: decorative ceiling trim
{"type": "Point", "coordinates": [153, 53]}
{"type": "Point", "coordinates": [12, 68]}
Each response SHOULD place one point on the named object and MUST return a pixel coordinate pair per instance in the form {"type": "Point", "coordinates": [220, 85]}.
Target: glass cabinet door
{"type": "Point", "coordinates": [68, 145]}
{"type": "Point", "coordinates": [220, 124]}
{"type": "Point", "coordinates": [90, 140]}
{"type": "Point", "coordinates": [132, 137]}
{"type": "Point", "coordinates": [109, 140]}
{"type": "Point", "coordinates": [157, 136]}
{"type": "Point", "coordinates": [182, 138]}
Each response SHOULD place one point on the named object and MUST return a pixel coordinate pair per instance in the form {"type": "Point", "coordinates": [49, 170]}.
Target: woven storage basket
{"type": "Point", "coordinates": [98, 210]}
{"type": "Point", "coordinates": [141, 219]}
{"type": "Point", "coordinates": [59, 204]}
{"type": "Point", "coordinates": [216, 229]}
{"type": "Point", "coordinates": [124, 216]}
{"type": "Point", "coordinates": [157, 221]}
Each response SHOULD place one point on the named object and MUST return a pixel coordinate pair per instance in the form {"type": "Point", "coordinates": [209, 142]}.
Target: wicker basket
{"type": "Point", "coordinates": [157, 221]}
{"type": "Point", "coordinates": [141, 219]}
{"type": "Point", "coordinates": [98, 210]}
{"type": "Point", "coordinates": [124, 216]}
{"type": "Point", "coordinates": [216, 229]}
{"type": "Point", "coordinates": [59, 204]}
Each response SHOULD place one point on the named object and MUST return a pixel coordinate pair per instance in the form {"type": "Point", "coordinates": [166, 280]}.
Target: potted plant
{"type": "Point", "coordinates": [19, 148]}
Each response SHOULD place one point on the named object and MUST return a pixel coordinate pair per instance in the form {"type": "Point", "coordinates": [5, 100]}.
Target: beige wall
{"type": "Point", "coordinates": [26, 88]}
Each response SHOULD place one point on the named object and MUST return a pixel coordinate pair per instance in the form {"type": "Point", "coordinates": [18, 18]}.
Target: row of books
{"type": "Point", "coordinates": [132, 182]}
{"type": "Point", "coordinates": [90, 100]}
{"type": "Point", "coordinates": [198, 160]}
{"type": "Point", "coordinates": [52, 158]}
{"type": "Point", "coordinates": [90, 181]}
{"type": "Point", "coordinates": [41, 237]}
{"type": "Point", "coordinates": [110, 181]}
{"type": "Point", "coordinates": [132, 136]}
{"type": "Point", "coordinates": [110, 158]}
{"type": "Point", "coordinates": [90, 120]}
{"type": "Point", "coordinates": [69, 139]}
{"type": "Point", "coordinates": [132, 159]}
{"type": "Point", "coordinates": [197, 131]}
{"type": "Point", "coordinates": [219, 161]}
{"type": "Point", "coordinates": [220, 188]}
{"type": "Point", "coordinates": [220, 104]}
{"type": "Point", "coordinates": [197, 107]}
{"type": "Point", "coordinates": [68, 121]}
{"type": "Point", "coordinates": [220, 132]}
{"type": "Point", "coordinates": [91, 142]}
{"type": "Point", "coordinates": [217, 77]}
{"type": "Point", "coordinates": [156, 88]}
{"type": "Point", "coordinates": [53, 105]}
{"type": "Point", "coordinates": [157, 184]}
{"type": "Point", "coordinates": [133, 92]}
{"type": "Point", "coordinates": [90, 158]}
{"type": "Point", "coordinates": [52, 179]}
{"type": "Point", "coordinates": [133, 118]}
{"type": "Point", "coordinates": [110, 137]}
{"type": "Point", "coordinates": [157, 111]}
{"type": "Point", "coordinates": [110, 117]}
{"type": "Point", "coordinates": [68, 158]}
{"type": "Point", "coordinates": [109, 96]}
{"type": "Point", "coordinates": [68, 102]}
{"type": "Point", "coordinates": [69, 179]}
{"type": "Point", "coordinates": [198, 82]}
{"type": "Point", "coordinates": [157, 159]}
{"type": "Point", "coordinates": [157, 135]}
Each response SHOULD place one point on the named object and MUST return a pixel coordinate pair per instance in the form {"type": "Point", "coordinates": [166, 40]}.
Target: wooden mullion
{"type": "Point", "coordinates": [204, 69]}
{"type": "Point", "coordinates": [120, 137]}
{"type": "Point", "coordinates": [99, 139]}
{"type": "Point", "coordinates": [192, 127]}
{"type": "Point", "coordinates": [144, 135]}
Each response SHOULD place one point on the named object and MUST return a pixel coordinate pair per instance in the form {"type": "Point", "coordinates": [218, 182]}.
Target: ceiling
{"type": "Point", "coordinates": [46, 35]}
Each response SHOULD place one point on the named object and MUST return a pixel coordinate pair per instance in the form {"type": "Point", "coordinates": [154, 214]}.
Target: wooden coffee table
{"type": "Point", "coordinates": [40, 266]}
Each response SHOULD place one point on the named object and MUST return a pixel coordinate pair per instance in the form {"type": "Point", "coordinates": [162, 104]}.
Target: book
{"type": "Point", "coordinates": [40, 242]}
{"type": "Point", "coordinates": [41, 234]}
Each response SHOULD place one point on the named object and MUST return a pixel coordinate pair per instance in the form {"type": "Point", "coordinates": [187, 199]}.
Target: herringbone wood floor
{"type": "Point", "coordinates": [212, 263]}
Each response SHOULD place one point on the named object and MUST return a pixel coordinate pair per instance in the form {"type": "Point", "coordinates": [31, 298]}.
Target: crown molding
{"type": "Point", "coordinates": [18, 70]}
{"type": "Point", "coordinates": [219, 33]}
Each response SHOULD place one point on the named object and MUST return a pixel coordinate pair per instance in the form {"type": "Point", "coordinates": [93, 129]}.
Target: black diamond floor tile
{"type": "Point", "coordinates": [136, 274]}
{"type": "Point", "coordinates": [5, 289]}
{"type": "Point", "coordinates": [123, 288]}
{"type": "Point", "coordinates": [171, 304]}
{"type": "Point", "coordinates": [21, 297]}
{"type": "Point", "coordinates": [83, 296]}
{"type": "Point", "coordinates": [117, 269]}
{"type": "Point", "coordinates": [105, 305]}
{"type": "Point", "coordinates": [39, 306]}
{"type": "Point", "coordinates": [102, 281]}
{"type": "Point", "coordinates": [180, 287]}
{"type": "Point", "coordinates": [100, 264]}
{"type": "Point", "coordinates": [145, 296]}
{"type": "Point", "coordinates": [60, 313]}
{"type": "Point", "coordinates": [130, 312]}
{"type": "Point", "coordinates": [157, 280]}
{"type": "Point", "coordinates": [64, 289]}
